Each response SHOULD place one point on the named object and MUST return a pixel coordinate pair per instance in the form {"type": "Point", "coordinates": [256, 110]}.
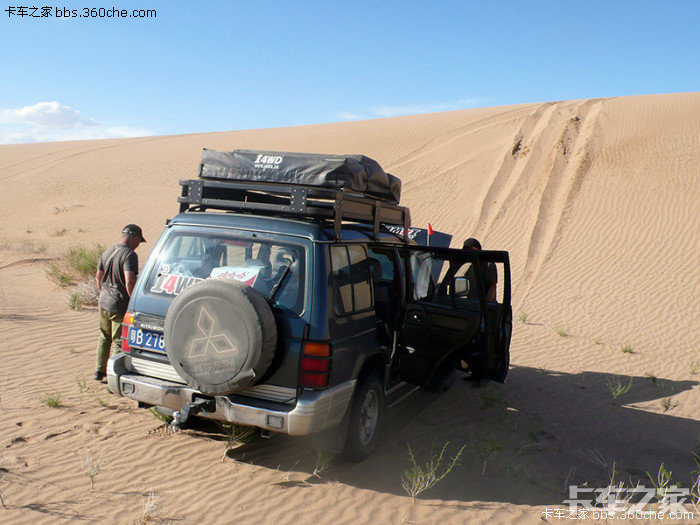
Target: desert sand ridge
{"type": "Point", "coordinates": [598, 203]}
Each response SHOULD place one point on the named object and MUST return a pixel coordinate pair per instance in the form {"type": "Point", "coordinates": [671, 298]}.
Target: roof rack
{"type": "Point", "coordinates": [266, 198]}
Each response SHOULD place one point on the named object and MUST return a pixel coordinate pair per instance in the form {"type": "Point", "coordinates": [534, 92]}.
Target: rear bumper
{"type": "Point", "coordinates": [314, 410]}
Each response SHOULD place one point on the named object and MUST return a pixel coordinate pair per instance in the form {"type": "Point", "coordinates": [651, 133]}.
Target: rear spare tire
{"type": "Point", "coordinates": [220, 336]}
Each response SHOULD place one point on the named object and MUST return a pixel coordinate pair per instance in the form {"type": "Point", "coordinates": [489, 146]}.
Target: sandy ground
{"type": "Point", "coordinates": [598, 203]}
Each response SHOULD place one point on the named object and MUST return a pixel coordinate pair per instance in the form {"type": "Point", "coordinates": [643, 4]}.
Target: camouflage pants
{"type": "Point", "coordinates": [110, 335]}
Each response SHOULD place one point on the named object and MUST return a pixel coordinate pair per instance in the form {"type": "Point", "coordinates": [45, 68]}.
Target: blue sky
{"type": "Point", "coordinates": [216, 66]}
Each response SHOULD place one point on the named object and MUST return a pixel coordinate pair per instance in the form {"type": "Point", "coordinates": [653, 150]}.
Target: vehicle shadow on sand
{"type": "Point", "coordinates": [525, 441]}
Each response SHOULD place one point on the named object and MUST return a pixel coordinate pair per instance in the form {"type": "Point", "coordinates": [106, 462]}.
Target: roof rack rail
{"type": "Point", "coordinates": [293, 200]}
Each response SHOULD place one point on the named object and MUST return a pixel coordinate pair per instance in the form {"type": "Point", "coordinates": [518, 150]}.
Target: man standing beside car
{"type": "Point", "coordinates": [488, 271]}
{"type": "Point", "coordinates": [116, 277]}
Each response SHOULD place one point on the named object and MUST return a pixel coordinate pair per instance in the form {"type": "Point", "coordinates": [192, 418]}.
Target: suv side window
{"type": "Point", "coordinates": [418, 268]}
{"type": "Point", "coordinates": [444, 280]}
{"type": "Point", "coordinates": [350, 284]}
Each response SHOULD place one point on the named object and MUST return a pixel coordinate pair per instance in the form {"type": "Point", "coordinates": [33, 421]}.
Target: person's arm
{"type": "Point", "coordinates": [131, 270]}
{"type": "Point", "coordinates": [130, 278]}
{"type": "Point", "coordinates": [491, 294]}
{"type": "Point", "coordinates": [98, 278]}
{"type": "Point", "coordinates": [491, 281]}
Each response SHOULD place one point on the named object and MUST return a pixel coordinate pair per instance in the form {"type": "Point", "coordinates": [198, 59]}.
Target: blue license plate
{"type": "Point", "coordinates": [146, 339]}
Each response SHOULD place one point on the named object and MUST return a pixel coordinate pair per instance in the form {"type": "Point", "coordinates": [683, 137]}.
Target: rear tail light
{"type": "Point", "coordinates": [126, 323]}
{"type": "Point", "coordinates": [315, 365]}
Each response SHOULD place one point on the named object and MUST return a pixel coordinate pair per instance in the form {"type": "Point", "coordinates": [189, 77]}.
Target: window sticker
{"type": "Point", "coordinates": [173, 284]}
{"type": "Point", "coordinates": [238, 273]}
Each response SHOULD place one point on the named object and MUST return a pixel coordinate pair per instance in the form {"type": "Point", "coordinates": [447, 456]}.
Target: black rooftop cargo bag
{"type": "Point", "coordinates": [355, 173]}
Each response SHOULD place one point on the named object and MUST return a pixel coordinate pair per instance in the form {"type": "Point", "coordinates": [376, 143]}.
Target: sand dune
{"type": "Point", "coordinates": [598, 203]}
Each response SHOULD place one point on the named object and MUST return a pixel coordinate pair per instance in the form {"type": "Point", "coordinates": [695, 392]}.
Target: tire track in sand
{"type": "Point", "coordinates": [571, 161]}
{"type": "Point", "coordinates": [513, 167]}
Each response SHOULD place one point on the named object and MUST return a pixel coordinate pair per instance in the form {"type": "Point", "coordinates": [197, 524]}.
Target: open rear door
{"type": "Point", "coordinates": [495, 291]}
{"type": "Point", "coordinates": [439, 323]}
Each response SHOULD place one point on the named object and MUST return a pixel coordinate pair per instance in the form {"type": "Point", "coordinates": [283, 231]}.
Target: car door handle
{"type": "Point", "coordinates": [418, 318]}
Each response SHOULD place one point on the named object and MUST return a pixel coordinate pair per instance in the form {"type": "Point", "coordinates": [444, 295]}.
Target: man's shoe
{"type": "Point", "coordinates": [99, 376]}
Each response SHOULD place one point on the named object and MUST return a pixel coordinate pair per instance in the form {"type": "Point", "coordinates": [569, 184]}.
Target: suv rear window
{"type": "Point", "coordinates": [190, 257]}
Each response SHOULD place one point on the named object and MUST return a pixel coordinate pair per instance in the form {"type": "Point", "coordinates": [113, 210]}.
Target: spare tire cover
{"type": "Point", "coordinates": [220, 335]}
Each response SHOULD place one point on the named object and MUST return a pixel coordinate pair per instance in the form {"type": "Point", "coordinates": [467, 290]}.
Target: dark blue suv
{"type": "Point", "coordinates": [298, 307]}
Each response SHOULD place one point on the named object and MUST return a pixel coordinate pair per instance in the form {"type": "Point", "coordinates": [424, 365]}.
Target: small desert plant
{"type": "Point", "coordinates": [616, 497]}
{"type": "Point", "coordinates": [694, 367]}
{"type": "Point", "coordinates": [60, 233]}
{"type": "Point", "coordinates": [52, 400]}
{"type": "Point", "coordinates": [651, 377]}
{"type": "Point", "coordinates": [31, 248]}
{"type": "Point", "coordinates": [74, 301]}
{"type": "Point", "coordinates": [323, 462]}
{"type": "Point", "coordinates": [569, 477]}
{"type": "Point", "coordinates": [596, 457]}
{"type": "Point", "coordinates": [236, 434]}
{"type": "Point", "coordinates": [694, 491]}
{"type": "Point", "coordinates": [667, 403]}
{"type": "Point", "coordinates": [91, 468]}
{"type": "Point", "coordinates": [150, 511]}
{"type": "Point", "coordinates": [99, 400]}
{"type": "Point", "coordinates": [487, 450]}
{"type": "Point", "coordinates": [616, 387]}
{"type": "Point", "coordinates": [534, 433]}
{"type": "Point", "coordinates": [522, 317]}
{"type": "Point", "coordinates": [695, 483]}
{"type": "Point", "coordinates": [82, 383]}
{"type": "Point", "coordinates": [662, 483]}
{"type": "Point", "coordinates": [491, 397]}
{"type": "Point", "coordinates": [627, 349]}
{"type": "Point", "coordinates": [597, 341]}
{"type": "Point", "coordinates": [419, 478]}
{"type": "Point", "coordinates": [59, 276]}
{"type": "Point", "coordinates": [165, 418]}
{"type": "Point", "coordinates": [562, 332]}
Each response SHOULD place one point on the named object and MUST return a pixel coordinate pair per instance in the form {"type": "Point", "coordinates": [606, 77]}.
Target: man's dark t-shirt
{"type": "Point", "coordinates": [490, 275]}
{"type": "Point", "coordinates": [114, 262]}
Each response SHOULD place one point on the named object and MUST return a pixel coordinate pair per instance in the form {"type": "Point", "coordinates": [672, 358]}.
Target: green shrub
{"type": "Point", "coordinates": [418, 478]}
{"type": "Point", "coordinates": [51, 400]}
{"type": "Point", "coordinates": [84, 260]}
{"type": "Point", "coordinates": [616, 387]}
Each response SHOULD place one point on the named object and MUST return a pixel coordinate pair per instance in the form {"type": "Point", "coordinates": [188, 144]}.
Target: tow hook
{"type": "Point", "coordinates": [192, 408]}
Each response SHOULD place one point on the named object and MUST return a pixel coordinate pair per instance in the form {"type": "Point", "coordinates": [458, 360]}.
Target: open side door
{"type": "Point", "coordinates": [495, 291]}
{"type": "Point", "coordinates": [440, 320]}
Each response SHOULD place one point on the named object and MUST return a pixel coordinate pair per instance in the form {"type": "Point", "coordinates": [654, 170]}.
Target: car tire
{"type": "Point", "coordinates": [366, 418]}
{"type": "Point", "coordinates": [220, 336]}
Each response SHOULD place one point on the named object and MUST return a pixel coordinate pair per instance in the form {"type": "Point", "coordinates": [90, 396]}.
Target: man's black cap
{"type": "Point", "coordinates": [471, 243]}
{"type": "Point", "coordinates": [134, 231]}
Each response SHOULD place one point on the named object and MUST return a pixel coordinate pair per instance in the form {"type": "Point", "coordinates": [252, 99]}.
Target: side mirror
{"type": "Point", "coordinates": [461, 286]}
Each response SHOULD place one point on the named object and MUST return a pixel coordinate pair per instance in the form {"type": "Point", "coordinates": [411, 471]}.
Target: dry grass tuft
{"type": "Point", "coordinates": [151, 510]}
{"type": "Point", "coordinates": [91, 468]}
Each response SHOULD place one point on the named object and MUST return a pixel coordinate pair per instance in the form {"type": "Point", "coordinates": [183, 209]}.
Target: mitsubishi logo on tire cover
{"type": "Point", "coordinates": [209, 343]}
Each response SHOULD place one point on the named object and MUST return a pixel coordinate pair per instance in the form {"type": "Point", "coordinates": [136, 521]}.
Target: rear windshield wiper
{"type": "Point", "coordinates": [271, 296]}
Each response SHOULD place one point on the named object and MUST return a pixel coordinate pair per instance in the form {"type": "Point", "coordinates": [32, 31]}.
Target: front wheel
{"type": "Point", "coordinates": [366, 418]}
